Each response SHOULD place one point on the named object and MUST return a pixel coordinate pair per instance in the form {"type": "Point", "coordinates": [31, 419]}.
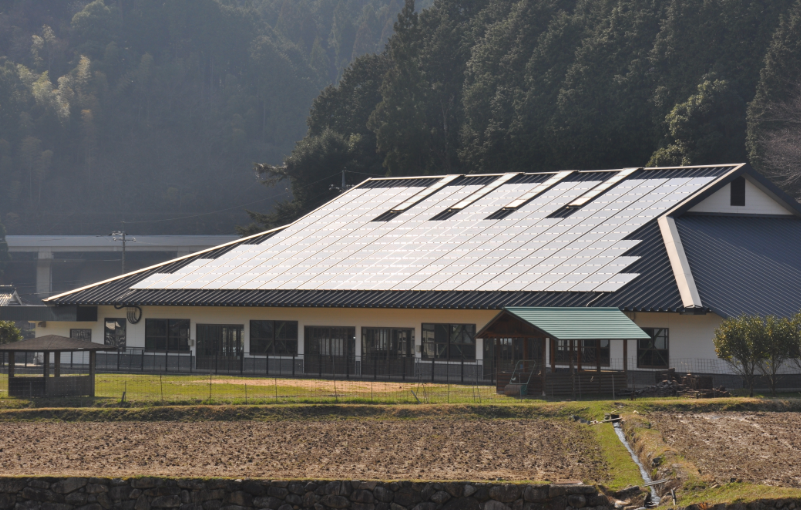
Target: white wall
{"type": "Point", "coordinates": [756, 202]}
{"type": "Point", "coordinates": [689, 336]}
{"type": "Point", "coordinates": [354, 317]}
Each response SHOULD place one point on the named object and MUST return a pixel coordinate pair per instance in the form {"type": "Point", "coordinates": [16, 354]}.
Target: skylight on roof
{"type": "Point", "coordinates": [580, 201]}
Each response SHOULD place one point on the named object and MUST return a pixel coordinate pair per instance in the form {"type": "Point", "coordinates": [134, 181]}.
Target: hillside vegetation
{"type": "Point", "coordinates": [537, 85]}
{"type": "Point", "coordinates": [145, 111]}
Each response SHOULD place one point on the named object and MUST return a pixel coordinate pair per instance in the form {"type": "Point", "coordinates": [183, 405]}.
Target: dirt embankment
{"type": "Point", "coordinates": [761, 448]}
{"type": "Point", "coordinates": [371, 449]}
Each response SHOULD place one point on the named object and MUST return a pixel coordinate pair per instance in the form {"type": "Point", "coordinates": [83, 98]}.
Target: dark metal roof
{"type": "Point", "coordinates": [55, 343]}
{"type": "Point", "coordinates": [744, 264]}
{"type": "Point", "coordinates": [654, 290]}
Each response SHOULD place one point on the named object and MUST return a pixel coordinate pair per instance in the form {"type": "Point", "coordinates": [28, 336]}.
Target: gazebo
{"type": "Point", "coordinates": [533, 331]}
{"type": "Point", "coordinates": [57, 385]}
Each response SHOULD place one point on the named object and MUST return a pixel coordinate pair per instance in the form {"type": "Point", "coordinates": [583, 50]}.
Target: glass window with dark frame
{"type": "Point", "coordinates": [167, 335]}
{"type": "Point", "coordinates": [654, 352]}
{"type": "Point", "coordinates": [449, 341]}
{"type": "Point", "coordinates": [274, 338]}
{"type": "Point", "coordinates": [588, 352]}
{"type": "Point", "coordinates": [114, 333]}
{"type": "Point", "coordinates": [81, 334]}
{"type": "Point", "coordinates": [387, 343]}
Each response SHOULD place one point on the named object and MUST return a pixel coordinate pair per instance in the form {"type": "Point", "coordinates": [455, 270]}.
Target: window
{"type": "Point", "coordinates": [274, 338]}
{"type": "Point", "coordinates": [738, 191]}
{"type": "Point", "coordinates": [330, 341]}
{"type": "Point", "coordinates": [114, 333]}
{"type": "Point", "coordinates": [166, 335]}
{"type": "Point", "coordinates": [387, 343]}
{"type": "Point", "coordinates": [588, 352]}
{"type": "Point", "coordinates": [449, 341]}
{"type": "Point", "coordinates": [653, 352]}
{"type": "Point", "coordinates": [81, 334]}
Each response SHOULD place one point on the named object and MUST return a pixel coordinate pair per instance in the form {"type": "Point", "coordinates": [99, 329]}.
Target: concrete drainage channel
{"type": "Point", "coordinates": [643, 472]}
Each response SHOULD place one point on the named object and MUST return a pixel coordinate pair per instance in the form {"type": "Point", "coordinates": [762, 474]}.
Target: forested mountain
{"type": "Point", "coordinates": [537, 85]}
{"type": "Point", "coordinates": [146, 111]}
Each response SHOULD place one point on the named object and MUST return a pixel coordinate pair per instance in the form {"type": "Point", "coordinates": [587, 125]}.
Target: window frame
{"type": "Point", "coordinates": [273, 342]}
{"type": "Point", "coordinates": [652, 332]}
{"type": "Point", "coordinates": [424, 351]}
{"type": "Point", "coordinates": [125, 334]}
{"type": "Point", "coordinates": [737, 194]}
{"type": "Point", "coordinates": [182, 343]}
{"type": "Point", "coordinates": [562, 352]}
{"type": "Point", "coordinates": [393, 340]}
{"type": "Point", "coordinates": [87, 338]}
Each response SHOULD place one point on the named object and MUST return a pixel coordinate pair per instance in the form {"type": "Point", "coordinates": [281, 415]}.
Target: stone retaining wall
{"type": "Point", "coordinates": [45, 493]}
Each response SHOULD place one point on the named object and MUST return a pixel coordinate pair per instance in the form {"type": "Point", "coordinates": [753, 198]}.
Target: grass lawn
{"type": "Point", "coordinates": [149, 388]}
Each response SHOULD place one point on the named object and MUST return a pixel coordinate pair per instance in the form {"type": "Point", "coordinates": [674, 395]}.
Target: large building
{"type": "Point", "coordinates": [414, 267]}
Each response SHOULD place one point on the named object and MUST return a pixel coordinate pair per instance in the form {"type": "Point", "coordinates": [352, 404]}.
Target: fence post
{"type": "Point", "coordinates": [462, 369]}
{"type": "Point", "coordinates": [242, 364]}
{"type": "Point", "coordinates": [118, 359]}
{"type": "Point", "coordinates": [293, 364]}
{"type": "Point", "coordinates": [433, 369]}
{"type": "Point", "coordinates": [404, 368]}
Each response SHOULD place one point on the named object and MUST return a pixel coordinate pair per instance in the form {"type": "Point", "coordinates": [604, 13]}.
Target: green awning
{"type": "Point", "coordinates": [575, 323]}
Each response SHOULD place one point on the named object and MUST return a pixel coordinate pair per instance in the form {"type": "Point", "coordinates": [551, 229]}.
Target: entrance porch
{"type": "Point", "coordinates": [558, 352]}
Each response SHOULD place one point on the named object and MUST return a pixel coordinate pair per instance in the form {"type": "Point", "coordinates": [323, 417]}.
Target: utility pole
{"type": "Point", "coordinates": [121, 236]}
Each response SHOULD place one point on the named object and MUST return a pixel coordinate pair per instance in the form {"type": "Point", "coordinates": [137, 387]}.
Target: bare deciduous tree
{"type": "Point", "coordinates": [782, 144]}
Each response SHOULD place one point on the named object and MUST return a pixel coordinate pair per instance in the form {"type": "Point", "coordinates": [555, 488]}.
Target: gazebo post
{"type": "Point", "coordinates": [46, 370]}
{"type": "Point", "coordinates": [92, 359]}
{"type": "Point", "coordinates": [543, 362]}
{"type": "Point", "coordinates": [626, 361]}
{"type": "Point", "coordinates": [598, 356]}
{"type": "Point", "coordinates": [579, 348]}
{"type": "Point", "coordinates": [57, 364]}
{"type": "Point", "coordinates": [11, 364]}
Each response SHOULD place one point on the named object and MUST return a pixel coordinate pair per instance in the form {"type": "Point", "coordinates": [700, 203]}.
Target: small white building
{"type": "Point", "coordinates": [413, 267]}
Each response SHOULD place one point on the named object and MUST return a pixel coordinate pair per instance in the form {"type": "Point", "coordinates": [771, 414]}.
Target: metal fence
{"type": "Point", "coordinates": [401, 368]}
{"type": "Point", "coordinates": [134, 374]}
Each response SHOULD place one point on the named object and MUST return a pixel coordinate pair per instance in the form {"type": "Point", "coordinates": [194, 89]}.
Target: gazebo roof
{"type": "Point", "coordinates": [563, 323]}
{"type": "Point", "coordinates": [54, 343]}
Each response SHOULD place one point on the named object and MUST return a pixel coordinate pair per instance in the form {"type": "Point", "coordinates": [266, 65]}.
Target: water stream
{"type": "Point", "coordinates": [643, 472]}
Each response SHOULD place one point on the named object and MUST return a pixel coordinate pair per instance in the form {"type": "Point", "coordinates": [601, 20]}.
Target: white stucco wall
{"type": "Point", "coordinates": [690, 336]}
{"type": "Point", "coordinates": [351, 317]}
{"type": "Point", "coordinates": [756, 202]}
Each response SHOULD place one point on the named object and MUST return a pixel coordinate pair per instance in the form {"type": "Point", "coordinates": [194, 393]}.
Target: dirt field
{"type": "Point", "coordinates": [763, 448]}
{"type": "Point", "coordinates": [393, 449]}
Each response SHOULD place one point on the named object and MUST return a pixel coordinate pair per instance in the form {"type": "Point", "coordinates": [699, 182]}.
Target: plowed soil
{"type": "Point", "coordinates": [391, 449]}
{"type": "Point", "coordinates": [763, 448]}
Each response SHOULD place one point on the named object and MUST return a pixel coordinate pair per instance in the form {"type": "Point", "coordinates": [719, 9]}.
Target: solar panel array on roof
{"type": "Point", "coordinates": [340, 247]}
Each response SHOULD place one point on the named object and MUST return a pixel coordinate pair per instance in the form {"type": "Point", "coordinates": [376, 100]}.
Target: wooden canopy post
{"type": "Point", "coordinates": [11, 364]}
{"type": "Point", "coordinates": [56, 364]}
{"type": "Point", "coordinates": [626, 361]}
{"type": "Point", "coordinates": [598, 356]}
{"type": "Point", "coordinates": [543, 363]}
{"type": "Point", "coordinates": [46, 371]}
{"type": "Point", "coordinates": [92, 359]}
{"type": "Point", "coordinates": [579, 348]}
